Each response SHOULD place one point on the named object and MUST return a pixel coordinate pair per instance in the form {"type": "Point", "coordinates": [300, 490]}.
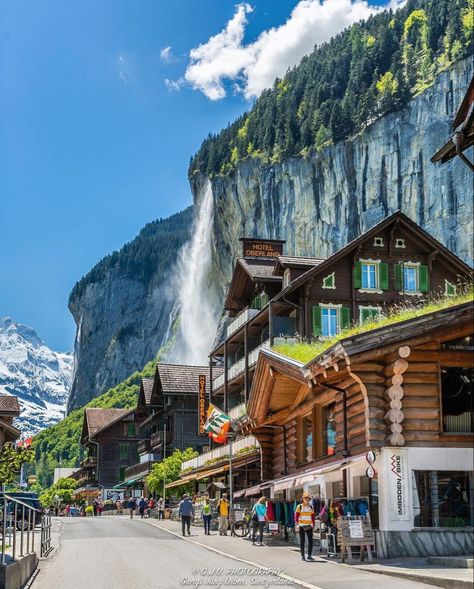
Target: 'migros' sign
{"type": "Point", "coordinates": [262, 248]}
{"type": "Point", "coordinates": [202, 409]}
{"type": "Point", "coordinates": [398, 485]}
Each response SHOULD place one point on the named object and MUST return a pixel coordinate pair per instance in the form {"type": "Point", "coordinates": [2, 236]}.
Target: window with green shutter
{"type": "Point", "coordinates": [345, 317]}
{"type": "Point", "coordinates": [316, 320]}
{"type": "Point", "coordinates": [397, 276]}
{"type": "Point", "coordinates": [424, 278]}
{"type": "Point", "coordinates": [368, 313]}
{"type": "Point", "coordinates": [131, 430]}
{"type": "Point", "coordinates": [383, 276]}
{"type": "Point", "coordinates": [123, 452]}
{"type": "Point", "coordinates": [121, 473]}
{"type": "Point", "coordinates": [357, 275]}
{"type": "Point", "coordinates": [449, 288]}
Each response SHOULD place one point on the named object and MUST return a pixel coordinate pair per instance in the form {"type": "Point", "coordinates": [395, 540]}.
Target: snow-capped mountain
{"type": "Point", "coordinates": [39, 377]}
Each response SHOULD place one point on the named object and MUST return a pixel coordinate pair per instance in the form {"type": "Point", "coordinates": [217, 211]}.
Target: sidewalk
{"type": "Point", "coordinates": [326, 573]}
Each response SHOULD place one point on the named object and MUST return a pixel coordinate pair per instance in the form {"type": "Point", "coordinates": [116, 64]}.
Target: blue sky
{"type": "Point", "coordinates": [95, 143]}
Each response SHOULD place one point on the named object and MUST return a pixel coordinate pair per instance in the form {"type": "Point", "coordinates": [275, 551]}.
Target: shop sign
{"type": "Point", "coordinates": [398, 486]}
{"type": "Point", "coordinates": [256, 248]}
{"type": "Point", "coordinates": [273, 527]}
{"type": "Point", "coordinates": [202, 409]}
{"type": "Point", "coordinates": [355, 530]}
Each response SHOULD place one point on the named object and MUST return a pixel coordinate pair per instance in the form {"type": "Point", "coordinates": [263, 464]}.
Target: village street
{"type": "Point", "coordinates": [117, 553]}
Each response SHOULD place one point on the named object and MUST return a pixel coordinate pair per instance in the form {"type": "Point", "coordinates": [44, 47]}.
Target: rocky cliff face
{"type": "Point", "coordinates": [320, 203]}
{"type": "Point", "coordinates": [123, 308]}
{"type": "Point", "coordinates": [39, 377]}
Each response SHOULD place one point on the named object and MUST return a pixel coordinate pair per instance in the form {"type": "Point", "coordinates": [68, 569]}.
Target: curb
{"type": "Point", "coordinates": [420, 578]}
{"type": "Point", "coordinates": [237, 558]}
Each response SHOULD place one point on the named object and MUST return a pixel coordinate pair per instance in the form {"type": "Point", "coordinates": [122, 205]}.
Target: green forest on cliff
{"type": "Point", "coordinates": [370, 69]}
{"type": "Point", "coordinates": [152, 251]}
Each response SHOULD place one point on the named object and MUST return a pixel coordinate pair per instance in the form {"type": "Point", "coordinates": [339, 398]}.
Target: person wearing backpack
{"type": "Point", "coordinates": [258, 519]}
{"type": "Point", "coordinates": [223, 513]}
{"type": "Point", "coordinates": [305, 520]}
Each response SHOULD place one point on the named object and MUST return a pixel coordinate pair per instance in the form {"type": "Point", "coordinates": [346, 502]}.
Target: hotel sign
{"type": "Point", "coordinates": [262, 248]}
{"type": "Point", "coordinates": [398, 486]}
{"type": "Point", "coordinates": [202, 409]}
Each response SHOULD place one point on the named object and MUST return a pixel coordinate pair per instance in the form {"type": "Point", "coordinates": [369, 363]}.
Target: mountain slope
{"type": "Point", "coordinates": [122, 308]}
{"type": "Point", "coordinates": [39, 377]}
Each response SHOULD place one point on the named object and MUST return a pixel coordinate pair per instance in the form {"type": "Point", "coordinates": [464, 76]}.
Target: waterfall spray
{"type": "Point", "coordinates": [197, 301]}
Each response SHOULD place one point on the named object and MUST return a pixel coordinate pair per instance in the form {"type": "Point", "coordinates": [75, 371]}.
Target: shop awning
{"type": "Point", "coordinates": [251, 491]}
{"type": "Point", "coordinates": [238, 494]}
{"type": "Point", "coordinates": [182, 481]}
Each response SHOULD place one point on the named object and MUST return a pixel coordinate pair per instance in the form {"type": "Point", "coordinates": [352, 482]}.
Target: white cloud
{"type": "Point", "coordinates": [174, 85]}
{"type": "Point", "coordinates": [124, 68]}
{"type": "Point", "coordinates": [254, 66]}
{"type": "Point", "coordinates": [166, 55]}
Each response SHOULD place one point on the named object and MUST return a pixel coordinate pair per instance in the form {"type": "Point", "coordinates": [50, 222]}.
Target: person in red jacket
{"type": "Point", "coordinates": [305, 519]}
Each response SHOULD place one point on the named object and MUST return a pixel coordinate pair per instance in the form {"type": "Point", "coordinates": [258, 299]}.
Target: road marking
{"type": "Point", "coordinates": [222, 553]}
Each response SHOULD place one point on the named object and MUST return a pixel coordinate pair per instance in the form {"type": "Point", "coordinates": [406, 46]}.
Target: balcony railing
{"type": "Point", "coordinates": [238, 411]}
{"type": "Point", "coordinates": [238, 367]}
{"type": "Point", "coordinates": [89, 462]}
{"type": "Point", "coordinates": [157, 438]}
{"type": "Point", "coordinates": [220, 452]}
{"type": "Point", "coordinates": [143, 446]}
{"type": "Point", "coordinates": [241, 318]}
{"type": "Point", "coordinates": [139, 469]}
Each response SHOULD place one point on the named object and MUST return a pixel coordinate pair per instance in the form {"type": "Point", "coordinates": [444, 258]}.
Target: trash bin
{"type": "Point", "coordinates": [167, 513]}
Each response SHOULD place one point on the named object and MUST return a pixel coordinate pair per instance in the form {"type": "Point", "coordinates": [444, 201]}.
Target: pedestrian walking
{"type": "Point", "coordinates": [258, 519]}
{"type": "Point", "coordinates": [223, 513]}
{"type": "Point", "coordinates": [100, 507]}
{"type": "Point", "coordinates": [161, 508]}
{"type": "Point", "coordinates": [206, 516]}
{"type": "Point", "coordinates": [305, 519]}
{"type": "Point", "coordinates": [142, 505]}
{"type": "Point", "coordinates": [68, 510]}
{"type": "Point", "coordinates": [118, 505]}
{"type": "Point", "coordinates": [132, 505]}
{"type": "Point", "coordinates": [186, 509]}
{"type": "Point", "coordinates": [151, 505]}
{"type": "Point", "coordinates": [95, 506]}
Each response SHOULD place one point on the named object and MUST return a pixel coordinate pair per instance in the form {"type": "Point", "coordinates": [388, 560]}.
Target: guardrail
{"type": "Point", "coordinates": [17, 520]}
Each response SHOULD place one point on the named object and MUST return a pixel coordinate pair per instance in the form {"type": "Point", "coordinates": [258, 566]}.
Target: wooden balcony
{"type": "Point", "coordinates": [89, 462]}
{"type": "Point", "coordinates": [139, 469]}
{"type": "Point", "coordinates": [157, 439]}
{"type": "Point", "coordinates": [144, 446]}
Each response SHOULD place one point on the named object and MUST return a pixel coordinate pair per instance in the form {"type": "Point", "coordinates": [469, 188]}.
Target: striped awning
{"type": "Point", "coordinates": [182, 481]}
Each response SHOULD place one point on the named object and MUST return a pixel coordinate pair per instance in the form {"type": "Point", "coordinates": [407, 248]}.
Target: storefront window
{"type": "Point", "coordinates": [329, 423]}
{"type": "Point", "coordinates": [443, 499]}
{"type": "Point", "coordinates": [457, 393]}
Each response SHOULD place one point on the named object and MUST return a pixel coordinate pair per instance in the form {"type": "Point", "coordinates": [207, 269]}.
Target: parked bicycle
{"type": "Point", "coordinates": [241, 527]}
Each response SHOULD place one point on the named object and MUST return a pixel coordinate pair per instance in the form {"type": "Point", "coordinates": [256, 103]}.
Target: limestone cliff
{"type": "Point", "coordinates": [321, 202]}
{"type": "Point", "coordinates": [122, 308]}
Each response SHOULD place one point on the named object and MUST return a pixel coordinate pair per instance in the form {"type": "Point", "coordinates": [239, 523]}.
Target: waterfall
{"type": "Point", "coordinates": [196, 298]}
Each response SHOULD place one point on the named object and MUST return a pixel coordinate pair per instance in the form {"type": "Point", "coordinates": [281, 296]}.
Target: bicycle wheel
{"type": "Point", "coordinates": [240, 528]}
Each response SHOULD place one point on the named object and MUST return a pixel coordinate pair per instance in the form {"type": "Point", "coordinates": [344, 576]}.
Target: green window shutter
{"type": "Point", "coordinates": [317, 327]}
{"type": "Point", "coordinates": [357, 275]}
{"type": "Point", "coordinates": [397, 274]}
{"type": "Point", "coordinates": [364, 314]}
{"type": "Point", "coordinates": [345, 317]}
{"type": "Point", "coordinates": [383, 276]}
{"type": "Point", "coordinates": [265, 299]}
{"type": "Point", "coordinates": [424, 279]}
{"type": "Point", "coordinates": [450, 288]}
{"type": "Point", "coordinates": [132, 430]}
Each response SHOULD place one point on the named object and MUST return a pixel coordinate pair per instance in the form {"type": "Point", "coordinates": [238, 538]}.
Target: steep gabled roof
{"type": "Point", "coordinates": [180, 379]}
{"type": "Point", "coordinates": [97, 420]}
{"type": "Point", "coordinates": [295, 262]}
{"type": "Point", "coordinates": [147, 386]}
{"type": "Point", "coordinates": [247, 273]}
{"type": "Point", "coordinates": [398, 218]}
{"type": "Point", "coordinates": [9, 405]}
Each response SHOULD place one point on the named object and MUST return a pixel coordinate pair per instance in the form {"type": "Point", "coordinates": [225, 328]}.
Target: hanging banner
{"type": "Point", "coordinates": [202, 409]}
{"type": "Point", "coordinates": [398, 487]}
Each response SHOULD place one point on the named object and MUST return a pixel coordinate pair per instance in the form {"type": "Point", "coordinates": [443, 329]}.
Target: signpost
{"type": "Point", "coordinates": [355, 530]}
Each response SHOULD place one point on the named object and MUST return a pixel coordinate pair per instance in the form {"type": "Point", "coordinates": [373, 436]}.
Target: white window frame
{"type": "Point", "coordinates": [333, 276]}
{"type": "Point", "coordinates": [286, 277]}
{"type": "Point", "coordinates": [368, 308]}
{"type": "Point", "coordinates": [379, 242]}
{"type": "Point", "coordinates": [400, 243]}
{"type": "Point", "coordinates": [375, 263]}
{"type": "Point", "coordinates": [415, 265]}
{"type": "Point", "coordinates": [338, 316]}
{"type": "Point", "coordinates": [446, 282]}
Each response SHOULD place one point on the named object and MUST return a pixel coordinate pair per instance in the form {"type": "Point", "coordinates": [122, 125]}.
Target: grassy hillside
{"type": "Point", "coordinates": [61, 441]}
{"type": "Point", "coordinates": [371, 68]}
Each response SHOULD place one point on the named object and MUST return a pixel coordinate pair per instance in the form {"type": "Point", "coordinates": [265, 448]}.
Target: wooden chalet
{"type": "Point", "coordinates": [110, 438]}
{"type": "Point", "coordinates": [463, 132]}
{"type": "Point", "coordinates": [404, 391]}
{"type": "Point", "coordinates": [9, 410]}
{"type": "Point", "coordinates": [167, 415]}
{"type": "Point", "coordinates": [393, 263]}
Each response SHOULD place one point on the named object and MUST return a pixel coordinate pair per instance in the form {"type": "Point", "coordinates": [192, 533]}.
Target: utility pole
{"type": "Point", "coordinates": [164, 456]}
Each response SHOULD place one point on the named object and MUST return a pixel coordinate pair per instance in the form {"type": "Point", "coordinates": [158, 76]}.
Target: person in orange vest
{"type": "Point", "coordinates": [305, 519]}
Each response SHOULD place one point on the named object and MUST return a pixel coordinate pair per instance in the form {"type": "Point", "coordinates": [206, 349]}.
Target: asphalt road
{"type": "Point", "coordinates": [117, 553]}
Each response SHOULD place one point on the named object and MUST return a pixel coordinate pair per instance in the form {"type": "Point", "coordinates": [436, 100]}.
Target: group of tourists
{"type": "Point", "coordinates": [304, 517]}
{"type": "Point", "coordinates": [143, 505]}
